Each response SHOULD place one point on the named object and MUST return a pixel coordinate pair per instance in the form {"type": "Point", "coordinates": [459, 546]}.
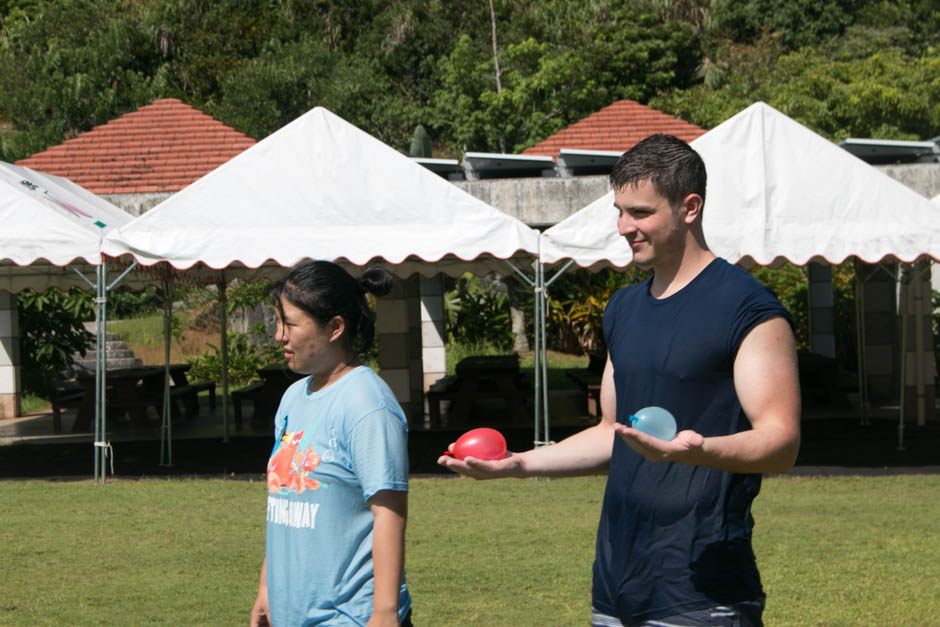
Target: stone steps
{"type": "Point", "coordinates": [117, 354]}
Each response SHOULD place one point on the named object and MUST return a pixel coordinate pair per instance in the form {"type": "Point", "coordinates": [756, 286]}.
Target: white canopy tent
{"type": "Point", "coordinates": [320, 188]}
{"type": "Point", "coordinates": [51, 227]}
{"type": "Point", "coordinates": [51, 237]}
{"type": "Point", "coordinates": [776, 192]}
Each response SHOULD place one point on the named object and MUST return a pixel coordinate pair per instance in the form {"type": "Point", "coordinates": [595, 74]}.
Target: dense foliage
{"type": "Point", "coordinates": [576, 304]}
{"type": "Point", "coordinates": [244, 357]}
{"type": "Point", "coordinates": [50, 332]}
{"type": "Point", "coordinates": [475, 80]}
{"type": "Point", "coordinates": [476, 311]}
{"type": "Point", "coordinates": [846, 67]}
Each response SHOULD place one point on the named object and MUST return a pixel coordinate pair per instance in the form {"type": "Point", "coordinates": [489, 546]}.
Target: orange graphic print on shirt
{"type": "Point", "coordinates": [289, 469]}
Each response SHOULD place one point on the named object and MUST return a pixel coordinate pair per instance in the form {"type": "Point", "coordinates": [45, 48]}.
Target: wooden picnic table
{"type": "Point", "coordinates": [265, 395]}
{"type": "Point", "coordinates": [131, 391]}
{"type": "Point", "coordinates": [478, 378]}
{"type": "Point", "coordinates": [589, 380]}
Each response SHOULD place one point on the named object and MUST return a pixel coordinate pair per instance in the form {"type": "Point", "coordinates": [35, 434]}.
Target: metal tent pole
{"type": "Point", "coordinates": [222, 286]}
{"type": "Point", "coordinates": [166, 423]}
{"type": "Point", "coordinates": [535, 355]}
{"type": "Point", "coordinates": [903, 277]}
{"type": "Point", "coordinates": [917, 295]}
{"type": "Point", "coordinates": [102, 448]}
{"type": "Point", "coordinates": [546, 435]}
{"type": "Point", "coordinates": [100, 366]}
{"type": "Point", "coordinates": [544, 293]}
{"type": "Point", "coordinates": [863, 413]}
{"type": "Point", "coordinates": [99, 445]}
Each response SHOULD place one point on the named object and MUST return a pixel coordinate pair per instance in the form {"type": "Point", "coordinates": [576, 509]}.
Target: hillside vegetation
{"type": "Point", "coordinates": [477, 79]}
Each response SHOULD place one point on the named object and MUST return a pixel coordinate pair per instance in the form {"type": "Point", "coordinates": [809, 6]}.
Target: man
{"type": "Point", "coordinates": [704, 340]}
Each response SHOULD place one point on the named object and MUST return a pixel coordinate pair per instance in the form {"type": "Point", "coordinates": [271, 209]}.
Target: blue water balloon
{"type": "Point", "coordinates": [654, 421]}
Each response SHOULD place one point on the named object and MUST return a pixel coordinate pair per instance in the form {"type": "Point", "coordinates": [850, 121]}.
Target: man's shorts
{"type": "Point", "coordinates": [744, 614]}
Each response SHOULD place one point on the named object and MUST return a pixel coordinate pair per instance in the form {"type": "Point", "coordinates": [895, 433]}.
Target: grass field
{"type": "Point", "coordinates": [144, 336]}
{"type": "Point", "coordinates": [832, 551]}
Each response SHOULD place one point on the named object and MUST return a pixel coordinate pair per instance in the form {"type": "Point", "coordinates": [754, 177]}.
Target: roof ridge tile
{"type": "Point", "coordinates": [620, 124]}
{"type": "Point", "coordinates": [133, 153]}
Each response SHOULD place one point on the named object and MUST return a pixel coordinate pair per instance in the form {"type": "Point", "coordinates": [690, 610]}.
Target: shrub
{"type": "Point", "coordinates": [51, 331]}
{"type": "Point", "coordinates": [123, 302]}
{"type": "Point", "coordinates": [576, 307]}
{"type": "Point", "coordinates": [245, 358]}
{"type": "Point", "coordinates": [477, 311]}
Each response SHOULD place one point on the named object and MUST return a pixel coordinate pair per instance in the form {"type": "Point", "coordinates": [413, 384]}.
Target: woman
{"type": "Point", "coordinates": [338, 474]}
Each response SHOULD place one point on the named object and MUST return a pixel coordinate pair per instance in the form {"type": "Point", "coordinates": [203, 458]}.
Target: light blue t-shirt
{"type": "Point", "coordinates": [333, 450]}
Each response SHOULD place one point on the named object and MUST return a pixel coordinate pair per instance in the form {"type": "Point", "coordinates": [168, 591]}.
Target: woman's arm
{"type": "Point", "coordinates": [389, 513]}
{"type": "Point", "coordinates": [260, 615]}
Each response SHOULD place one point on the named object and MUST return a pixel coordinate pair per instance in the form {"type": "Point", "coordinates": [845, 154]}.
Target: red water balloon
{"type": "Point", "coordinates": [482, 443]}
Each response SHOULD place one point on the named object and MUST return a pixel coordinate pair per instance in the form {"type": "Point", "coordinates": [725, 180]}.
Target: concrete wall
{"type": "Point", "coordinates": [879, 295]}
{"type": "Point", "coordinates": [137, 204]}
{"type": "Point", "coordinates": [398, 334]}
{"type": "Point", "coordinates": [920, 370]}
{"type": "Point", "coordinates": [433, 355]}
{"type": "Point", "coordinates": [546, 201]}
{"type": "Point", "coordinates": [538, 201]}
{"type": "Point", "coordinates": [923, 178]}
{"type": "Point", "coordinates": [822, 337]}
{"type": "Point", "coordinates": [9, 357]}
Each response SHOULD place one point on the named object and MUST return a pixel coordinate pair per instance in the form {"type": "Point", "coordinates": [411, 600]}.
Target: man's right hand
{"type": "Point", "coordinates": [509, 466]}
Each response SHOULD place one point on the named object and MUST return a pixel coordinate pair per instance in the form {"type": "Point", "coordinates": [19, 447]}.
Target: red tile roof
{"type": "Point", "coordinates": [161, 147]}
{"type": "Point", "coordinates": [615, 128]}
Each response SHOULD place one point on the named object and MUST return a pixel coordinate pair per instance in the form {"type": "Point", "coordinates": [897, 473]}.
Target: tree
{"type": "Point", "coordinates": [799, 22]}
{"type": "Point", "coordinates": [51, 331]}
{"type": "Point", "coordinates": [883, 95]}
{"type": "Point", "coordinates": [624, 50]}
{"type": "Point", "coordinates": [286, 79]}
{"type": "Point", "coordinates": [68, 66]}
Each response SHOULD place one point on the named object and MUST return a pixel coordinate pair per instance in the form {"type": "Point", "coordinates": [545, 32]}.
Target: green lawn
{"type": "Point", "coordinates": [32, 404]}
{"type": "Point", "coordinates": [557, 362]}
{"type": "Point", "coordinates": [832, 551]}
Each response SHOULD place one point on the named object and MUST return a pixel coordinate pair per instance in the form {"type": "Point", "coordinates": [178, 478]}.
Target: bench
{"type": "Point", "coordinates": [444, 389]}
{"type": "Point", "coordinates": [65, 399]}
{"type": "Point", "coordinates": [251, 392]}
{"type": "Point", "coordinates": [589, 382]}
{"type": "Point", "coordinates": [185, 398]}
{"type": "Point", "coordinates": [464, 390]}
{"type": "Point", "coordinates": [188, 395]}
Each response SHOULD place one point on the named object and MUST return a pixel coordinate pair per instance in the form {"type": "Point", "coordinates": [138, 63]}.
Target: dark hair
{"type": "Point", "coordinates": [670, 164]}
{"type": "Point", "coordinates": [323, 290]}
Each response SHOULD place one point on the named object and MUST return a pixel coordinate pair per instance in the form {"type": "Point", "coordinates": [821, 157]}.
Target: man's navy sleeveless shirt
{"type": "Point", "coordinates": [674, 538]}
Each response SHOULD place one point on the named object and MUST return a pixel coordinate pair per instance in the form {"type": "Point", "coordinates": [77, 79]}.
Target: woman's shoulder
{"type": "Point", "coordinates": [368, 391]}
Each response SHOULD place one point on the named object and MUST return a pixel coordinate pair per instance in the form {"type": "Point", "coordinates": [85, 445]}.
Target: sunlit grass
{"type": "Point", "coordinates": [32, 404]}
{"type": "Point", "coordinates": [145, 337]}
{"type": "Point", "coordinates": [832, 551]}
{"type": "Point", "coordinates": [557, 362]}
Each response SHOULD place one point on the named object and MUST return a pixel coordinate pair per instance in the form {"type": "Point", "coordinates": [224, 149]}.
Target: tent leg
{"type": "Point", "coordinates": [544, 350]}
{"type": "Point", "coordinates": [919, 312]}
{"type": "Point", "coordinates": [223, 330]}
{"type": "Point", "coordinates": [903, 290]}
{"type": "Point", "coordinates": [863, 409]}
{"type": "Point", "coordinates": [537, 355]}
{"type": "Point", "coordinates": [166, 424]}
{"type": "Point", "coordinates": [100, 364]}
